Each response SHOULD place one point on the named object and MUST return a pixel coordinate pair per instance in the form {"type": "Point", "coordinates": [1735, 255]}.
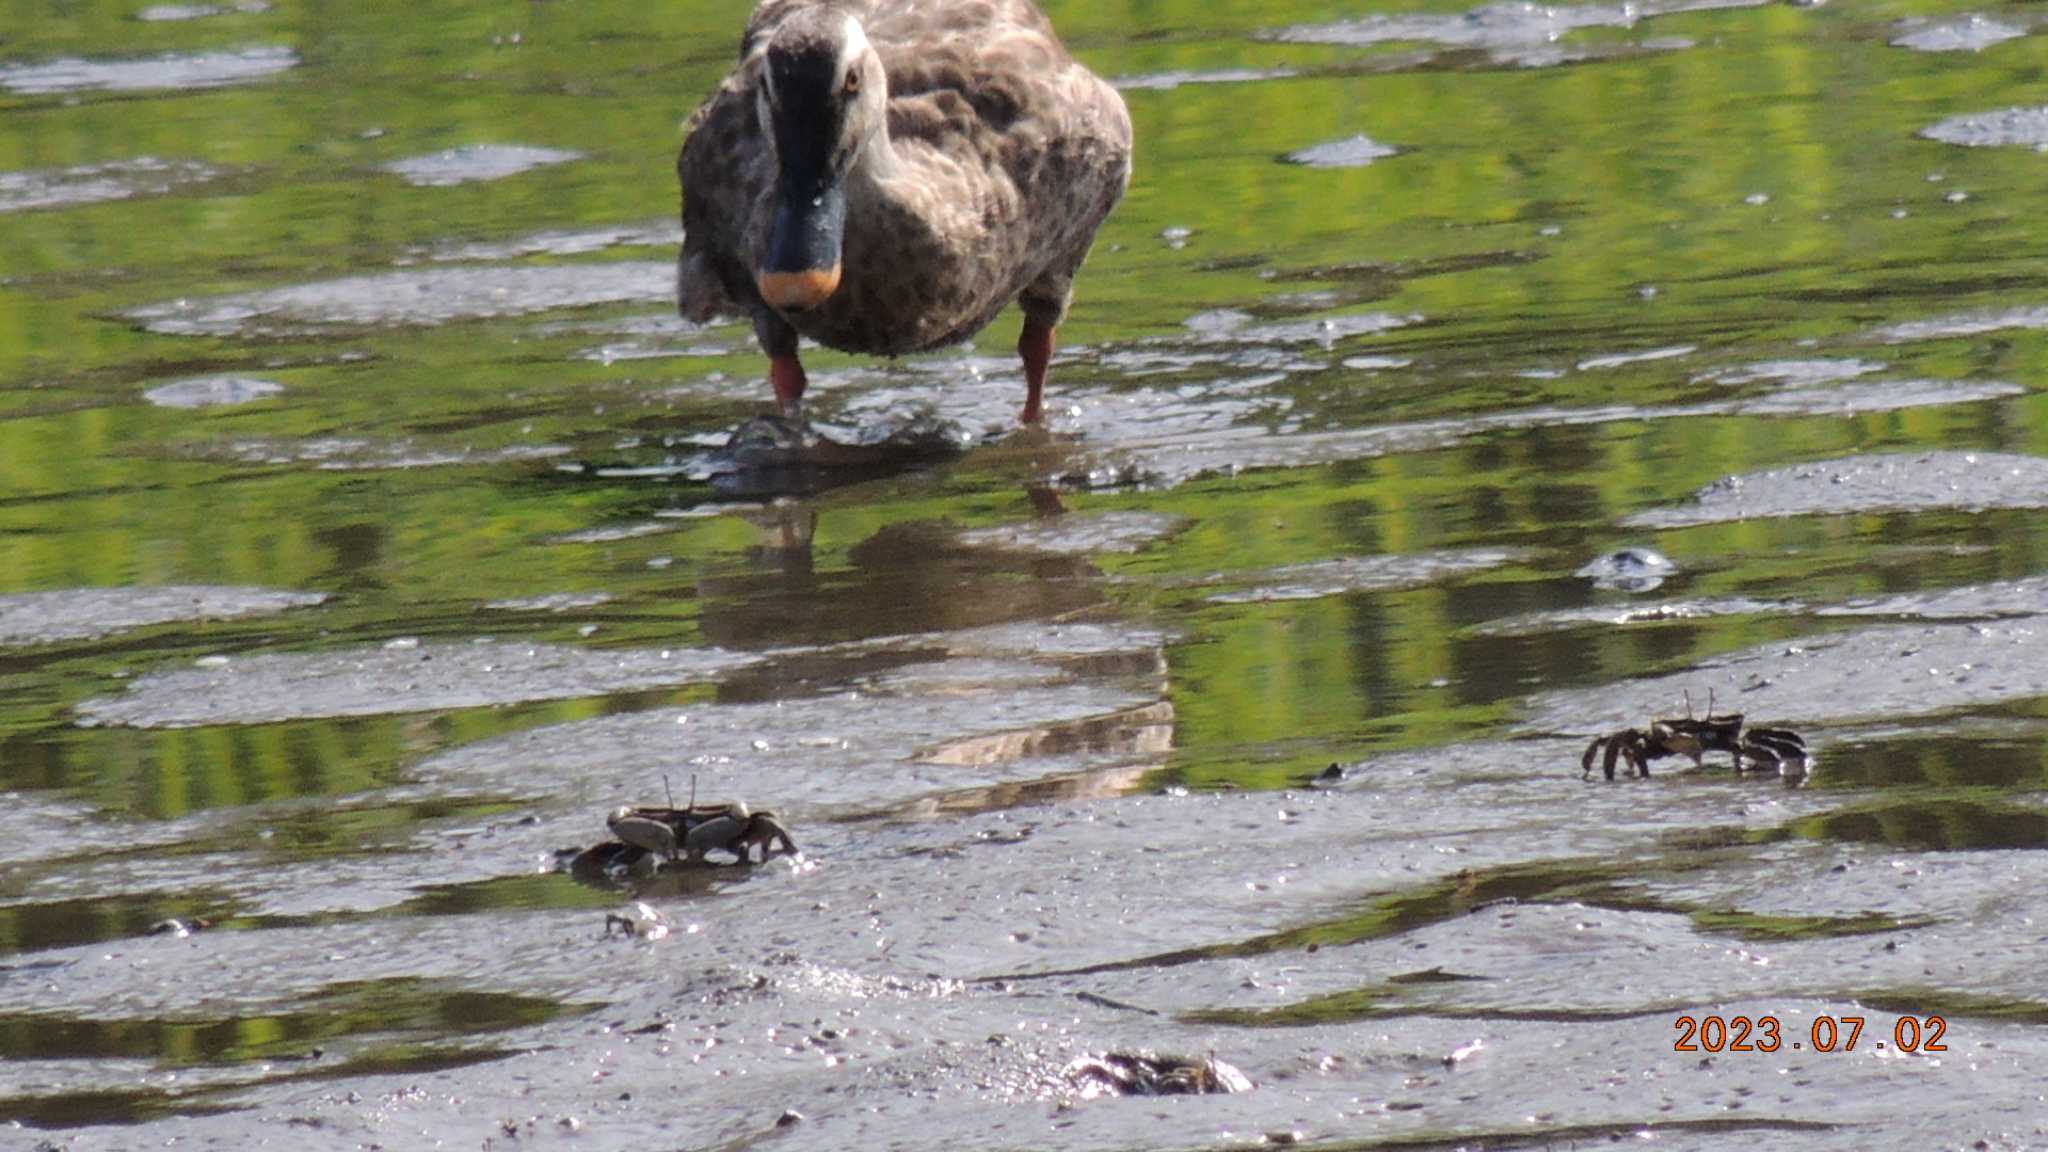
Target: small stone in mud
{"type": "Point", "coordinates": [792, 1116]}
{"type": "Point", "coordinates": [1629, 570]}
{"type": "Point", "coordinates": [179, 928]}
{"type": "Point", "coordinates": [1147, 1074]}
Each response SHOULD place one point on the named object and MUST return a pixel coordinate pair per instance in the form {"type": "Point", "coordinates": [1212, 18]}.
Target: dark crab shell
{"type": "Point", "coordinates": [1693, 738]}
{"type": "Point", "coordinates": [700, 828]}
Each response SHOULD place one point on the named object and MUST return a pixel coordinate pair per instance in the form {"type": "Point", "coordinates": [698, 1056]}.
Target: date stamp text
{"type": "Point", "coordinates": [1825, 1034]}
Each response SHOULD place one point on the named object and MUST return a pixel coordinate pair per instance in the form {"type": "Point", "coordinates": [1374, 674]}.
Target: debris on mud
{"type": "Point", "coordinates": [1629, 570]}
{"type": "Point", "coordinates": [1148, 1074]}
{"type": "Point", "coordinates": [180, 927]}
{"type": "Point", "coordinates": [642, 920]}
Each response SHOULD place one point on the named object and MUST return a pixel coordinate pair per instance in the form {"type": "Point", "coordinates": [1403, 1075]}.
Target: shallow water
{"type": "Point", "coordinates": [368, 532]}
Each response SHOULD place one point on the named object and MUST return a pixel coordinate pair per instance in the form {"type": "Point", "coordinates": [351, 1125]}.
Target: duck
{"type": "Point", "coordinates": [886, 176]}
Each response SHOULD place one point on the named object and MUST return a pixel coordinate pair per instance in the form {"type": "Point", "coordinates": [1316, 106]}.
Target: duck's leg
{"type": "Point", "coordinates": [787, 374]}
{"type": "Point", "coordinates": [785, 371]}
{"type": "Point", "coordinates": [1034, 347]}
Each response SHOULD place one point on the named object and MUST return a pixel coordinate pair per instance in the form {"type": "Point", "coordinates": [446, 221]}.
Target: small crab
{"type": "Point", "coordinates": [699, 829]}
{"type": "Point", "coordinates": [1765, 747]}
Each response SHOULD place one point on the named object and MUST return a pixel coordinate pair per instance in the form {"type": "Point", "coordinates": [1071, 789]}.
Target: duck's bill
{"type": "Point", "coordinates": [803, 253]}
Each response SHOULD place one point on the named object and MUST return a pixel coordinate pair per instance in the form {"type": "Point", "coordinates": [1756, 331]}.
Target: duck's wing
{"type": "Point", "coordinates": [722, 169]}
{"type": "Point", "coordinates": [1026, 133]}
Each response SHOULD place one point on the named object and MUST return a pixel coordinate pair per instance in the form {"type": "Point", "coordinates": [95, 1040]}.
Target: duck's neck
{"type": "Point", "coordinates": [873, 171]}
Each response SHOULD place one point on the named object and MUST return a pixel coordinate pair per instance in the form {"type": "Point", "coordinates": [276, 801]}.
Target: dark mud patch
{"type": "Point", "coordinates": [1995, 752]}
{"type": "Point", "coordinates": [1972, 33]}
{"type": "Point", "coordinates": [1762, 926]}
{"type": "Point", "coordinates": [1351, 152]}
{"type": "Point", "coordinates": [1871, 396]}
{"type": "Point", "coordinates": [1798, 372]}
{"type": "Point", "coordinates": [1931, 824]}
{"type": "Point", "coordinates": [1515, 34]}
{"type": "Point", "coordinates": [98, 183]}
{"type": "Point", "coordinates": [476, 163]}
{"type": "Point", "coordinates": [1864, 676]}
{"type": "Point", "coordinates": [894, 737]}
{"type": "Point", "coordinates": [1948, 480]}
{"type": "Point", "coordinates": [1077, 534]}
{"type": "Point", "coordinates": [2027, 596]}
{"type": "Point", "coordinates": [212, 392]}
{"type": "Point", "coordinates": [1628, 359]}
{"type": "Point", "coordinates": [1362, 574]}
{"type": "Point", "coordinates": [569, 242]}
{"type": "Point", "coordinates": [353, 453]}
{"type": "Point", "coordinates": [422, 297]}
{"type": "Point", "coordinates": [170, 13]}
{"type": "Point", "coordinates": [1967, 324]}
{"type": "Point", "coordinates": [90, 613]}
{"type": "Point", "coordinates": [1634, 615]}
{"type": "Point", "coordinates": [399, 677]}
{"type": "Point", "coordinates": [334, 1014]}
{"type": "Point", "coordinates": [2008, 127]}
{"type": "Point", "coordinates": [1155, 438]}
{"type": "Point", "coordinates": [194, 71]}
{"type": "Point", "coordinates": [108, 1106]}
{"type": "Point", "coordinates": [1164, 81]}
{"type": "Point", "coordinates": [557, 602]}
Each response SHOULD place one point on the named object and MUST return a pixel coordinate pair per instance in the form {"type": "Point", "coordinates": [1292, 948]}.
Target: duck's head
{"type": "Point", "coordinates": [822, 97]}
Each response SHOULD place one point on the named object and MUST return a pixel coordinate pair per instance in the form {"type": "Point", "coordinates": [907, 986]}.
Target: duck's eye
{"type": "Point", "coordinates": [853, 81]}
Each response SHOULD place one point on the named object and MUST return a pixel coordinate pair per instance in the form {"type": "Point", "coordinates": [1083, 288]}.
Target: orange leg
{"type": "Point", "coordinates": [787, 374]}
{"type": "Point", "coordinates": [1035, 347]}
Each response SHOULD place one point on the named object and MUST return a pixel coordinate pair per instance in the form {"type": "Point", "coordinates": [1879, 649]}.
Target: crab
{"type": "Point", "coordinates": [1779, 748]}
{"type": "Point", "coordinates": [698, 829]}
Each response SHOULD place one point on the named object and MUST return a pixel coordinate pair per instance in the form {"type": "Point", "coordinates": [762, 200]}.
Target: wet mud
{"type": "Point", "coordinates": [372, 531]}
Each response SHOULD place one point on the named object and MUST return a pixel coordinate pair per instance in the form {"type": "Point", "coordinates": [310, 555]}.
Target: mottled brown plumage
{"type": "Point", "coordinates": [948, 154]}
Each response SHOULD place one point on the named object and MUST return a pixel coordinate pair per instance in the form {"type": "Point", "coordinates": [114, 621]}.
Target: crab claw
{"type": "Point", "coordinates": [1774, 746]}
{"type": "Point", "coordinates": [764, 829]}
{"type": "Point", "coordinates": [642, 831]}
{"type": "Point", "coordinates": [727, 832]}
